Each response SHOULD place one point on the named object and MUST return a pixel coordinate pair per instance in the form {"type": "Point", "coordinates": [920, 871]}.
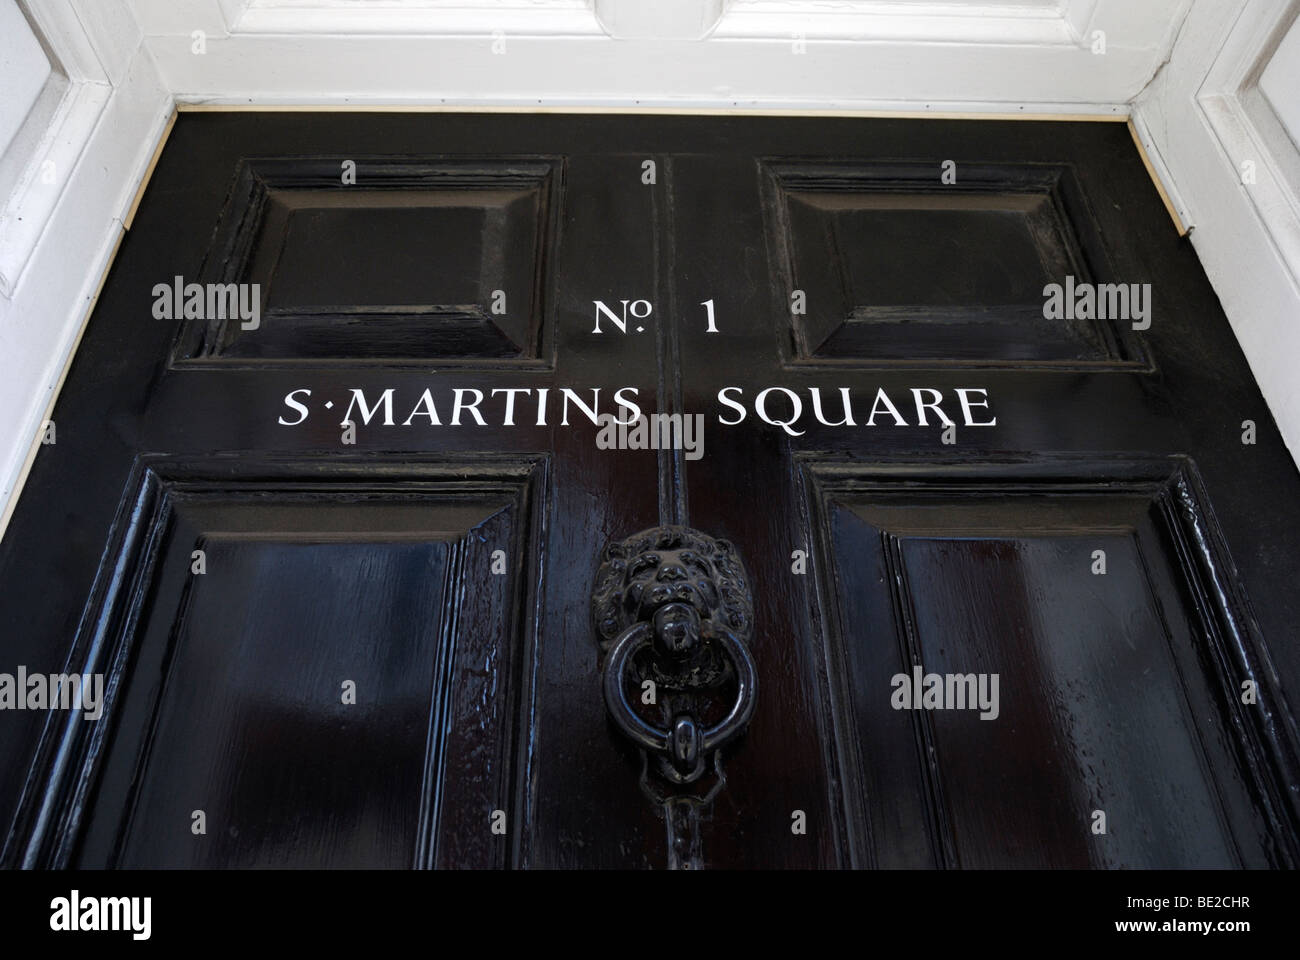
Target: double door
{"type": "Point", "coordinates": [956, 533]}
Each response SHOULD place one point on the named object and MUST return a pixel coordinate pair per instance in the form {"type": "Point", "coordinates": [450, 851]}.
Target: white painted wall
{"type": "Point", "coordinates": [1236, 176]}
{"type": "Point", "coordinates": [1188, 70]}
{"type": "Point", "coordinates": [64, 211]}
{"type": "Point", "coordinates": [24, 69]}
{"type": "Point", "coordinates": [1280, 82]}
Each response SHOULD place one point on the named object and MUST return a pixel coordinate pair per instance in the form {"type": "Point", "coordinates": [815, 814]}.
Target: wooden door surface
{"type": "Point", "coordinates": [982, 555]}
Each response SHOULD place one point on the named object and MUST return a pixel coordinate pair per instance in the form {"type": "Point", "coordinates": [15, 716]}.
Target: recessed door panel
{"type": "Point", "coordinates": [1033, 677]}
{"type": "Point", "coordinates": [304, 678]}
{"type": "Point", "coordinates": [400, 260]}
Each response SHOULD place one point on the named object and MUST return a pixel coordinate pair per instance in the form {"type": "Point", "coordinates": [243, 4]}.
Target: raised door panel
{"type": "Point", "coordinates": [329, 680]}
{"type": "Point", "coordinates": [400, 260]}
{"type": "Point", "coordinates": [897, 263]}
{"type": "Point", "coordinates": [1021, 654]}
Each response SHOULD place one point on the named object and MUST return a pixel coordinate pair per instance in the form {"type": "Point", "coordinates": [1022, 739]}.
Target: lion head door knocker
{"type": "Point", "coordinates": [674, 613]}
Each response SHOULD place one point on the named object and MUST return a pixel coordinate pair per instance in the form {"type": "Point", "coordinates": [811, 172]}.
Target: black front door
{"type": "Point", "coordinates": [956, 532]}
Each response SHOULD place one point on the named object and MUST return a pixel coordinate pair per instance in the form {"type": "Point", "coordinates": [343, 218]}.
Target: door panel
{"type": "Point", "coordinates": [899, 265]}
{"type": "Point", "coordinates": [345, 274]}
{"type": "Point", "coordinates": [332, 638]}
{"type": "Point", "coordinates": [1115, 687]}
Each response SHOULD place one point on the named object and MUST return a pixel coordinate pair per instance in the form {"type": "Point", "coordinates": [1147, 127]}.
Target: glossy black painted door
{"type": "Point", "coordinates": [1089, 552]}
{"type": "Point", "coordinates": [389, 657]}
